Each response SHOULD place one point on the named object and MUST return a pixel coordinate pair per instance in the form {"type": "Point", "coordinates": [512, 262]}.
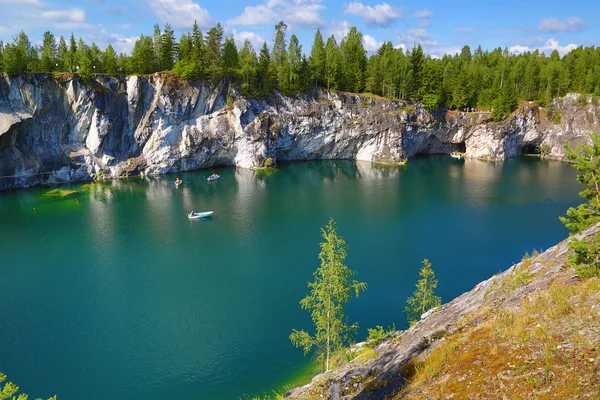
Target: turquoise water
{"type": "Point", "coordinates": [113, 293]}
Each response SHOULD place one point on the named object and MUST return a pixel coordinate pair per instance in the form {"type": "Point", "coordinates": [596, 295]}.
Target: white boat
{"type": "Point", "coordinates": [200, 215]}
{"type": "Point", "coordinates": [456, 155]}
{"type": "Point", "coordinates": [178, 183]}
{"type": "Point", "coordinates": [213, 177]}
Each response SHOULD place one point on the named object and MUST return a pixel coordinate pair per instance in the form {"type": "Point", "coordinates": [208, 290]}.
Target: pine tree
{"type": "Point", "coordinates": [294, 64]}
{"type": "Point", "coordinates": [62, 55]}
{"type": "Point", "coordinates": [83, 62]}
{"type": "Point", "coordinates": [264, 76]}
{"type": "Point", "coordinates": [354, 61]}
{"type": "Point", "coordinates": [248, 67]}
{"type": "Point", "coordinates": [332, 288]}
{"type": "Point", "coordinates": [424, 298]}
{"type": "Point", "coordinates": [213, 46]}
{"type": "Point", "coordinates": [1, 55]}
{"type": "Point", "coordinates": [317, 59]}
{"type": "Point", "coordinates": [184, 48]}
{"type": "Point", "coordinates": [279, 56]}
{"type": "Point", "coordinates": [156, 40]}
{"type": "Point", "coordinates": [49, 52]}
{"type": "Point", "coordinates": [109, 59]}
{"type": "Point", "coordinates": [16, 55]}
{"type": "Point", "coordinates": [417, 61]}
{"type": "Point", "coordinates": [231, 62]}
{"type": "Point", "coordinates": [95, 56]}
{"type": "Point", "coordinates": [168, 48]}
{"type": "Point", "coordinates": [142, 56]}
{"type": "Point", "coordinates": [198, 49]}
{"type": "Point", "coordinates": [72, 59]}
{"type": "Point", "coordinates": [586, 253]}
{"type": "Point", "coordinates": [332, 63]}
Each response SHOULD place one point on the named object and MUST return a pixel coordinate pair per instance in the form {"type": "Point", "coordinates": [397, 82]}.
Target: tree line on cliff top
{"type": "Point", "coordinates": [470, 79]}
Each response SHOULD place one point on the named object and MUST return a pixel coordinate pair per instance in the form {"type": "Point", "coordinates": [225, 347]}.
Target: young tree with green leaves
{"type": "Point", "coordinates": [586, 253]}
{"type": "Point", "coordinates": [424, 298]}
{"type": "Point", "coordinates": [9, 390]}
{"type": "Point", "coordinates": [330, 291]}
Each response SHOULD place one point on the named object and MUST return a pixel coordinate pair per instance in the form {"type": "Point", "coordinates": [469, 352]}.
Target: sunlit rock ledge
{"type": "Point", "coordinates": [60, 129]}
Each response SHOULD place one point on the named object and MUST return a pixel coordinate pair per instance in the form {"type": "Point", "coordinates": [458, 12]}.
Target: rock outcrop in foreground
{"type": "Point", "coordinates": [60, 129]}
{"type": "Point", "coordinates": [532, 331]}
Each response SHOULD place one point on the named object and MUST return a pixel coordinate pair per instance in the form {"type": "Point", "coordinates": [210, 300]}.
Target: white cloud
{"type": "Point", "coordinates": [255, 15]}
{"type": "Point", "coordinates": [518, 49]}
{"type": "Point", "coordinates": [307, 16]}
{"type": "Point", "coordinates": [423, 14]}
{"type": "Point", "coordinates": [124, 26]}
{"type": "Point", "coordinates": [465, 30]}
{"type": "Point", "coordinates": [571, 24]}
{"type": "Point", "coordinates": [339, 30]}
{"type": "Point", "coordinates": [430, 46]}
{"type": "Point", "coordinates": [549, 46]}
{"type": "Point", "coordinates": [255, 39]}
{"type": "Point", "coordinates": [62, 16]}
{"type": "Point", "coordinates": [181, 13]}
{"type": "Point", "coordinates": [302, 13]}
{"type": "Point", "coordinates": [22, 2]}
{"type": "Point", "coordinates": [380, 15]}
{"type": "Point", "coordinates": [370, 43]}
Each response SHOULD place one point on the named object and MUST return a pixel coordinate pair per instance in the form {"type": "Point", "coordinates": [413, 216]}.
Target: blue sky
{"type": "Point", "coordinates": [440, 26]}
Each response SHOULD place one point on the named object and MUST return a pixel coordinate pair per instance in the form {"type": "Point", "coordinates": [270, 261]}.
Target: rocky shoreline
{"type": "Point", "coordinates": [60, 129]}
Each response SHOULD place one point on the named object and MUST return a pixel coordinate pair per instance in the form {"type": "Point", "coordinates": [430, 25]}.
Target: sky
{"type": "Point", "coordinates": [441, 27]}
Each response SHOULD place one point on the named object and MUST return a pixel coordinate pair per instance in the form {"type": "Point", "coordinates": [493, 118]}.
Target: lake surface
{"type": "Point", "coordinates": [112, 293]}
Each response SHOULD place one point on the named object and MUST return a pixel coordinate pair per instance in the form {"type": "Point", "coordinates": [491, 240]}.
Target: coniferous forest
{"type": "Point", "coordinates": [479, 78]}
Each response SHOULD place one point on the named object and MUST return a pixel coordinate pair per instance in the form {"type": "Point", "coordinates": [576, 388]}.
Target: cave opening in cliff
{"type": "Point", "coordinates": [461, 147]}
{"type": "Point", "coordinates": [530, 149]}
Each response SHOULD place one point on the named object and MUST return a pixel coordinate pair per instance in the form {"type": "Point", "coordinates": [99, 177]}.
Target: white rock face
{"type": "Point", "coordinates": [168, 125]}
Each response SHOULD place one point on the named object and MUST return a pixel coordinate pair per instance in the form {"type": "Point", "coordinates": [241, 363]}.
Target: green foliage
{"type": "Point", "coordinates": [231, 62]}
{"type": "Point", "coordinates": [424, 298]}
{"type": "Point", "coordinates": [247, 60]}
{"type": "Point", "coordinates": [330, 291]}
{"type": "Point", "coordinates": [494, 79]}
{"type": "Point", "coordinates": [556, 118]}
{"type": "Point", "coordinates": [586, 253]}
{"type": "Point", "coordinates": [212, 52]}
{"type": "Point", "coordinates": [10, 390]}
{"type": "Point", "coordinates": [377, 334]}
{"type": "Point", "coordinates": [268, 163]}
{"type": "Point", "coordinates": [167, 49]}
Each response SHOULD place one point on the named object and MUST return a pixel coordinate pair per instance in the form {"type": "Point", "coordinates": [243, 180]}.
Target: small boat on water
{"type": "Point", "coordinates": [178, 183]}
{"type": "Point", "coordinates": [456, 155]}
{"type": "Point", "coordinates": [213, 177]}
{"type": "Point", "coordinates": [200, 215]}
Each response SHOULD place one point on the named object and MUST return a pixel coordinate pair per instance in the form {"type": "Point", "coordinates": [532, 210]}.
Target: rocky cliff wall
{"type": "Point", "coordinates": [60, 129]}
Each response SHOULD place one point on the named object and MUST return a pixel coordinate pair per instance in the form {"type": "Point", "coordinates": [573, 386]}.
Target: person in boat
{"type": "Point", "coordinates": [178, 181]}
{"type": "Point", "coordinates": [192, 213]}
